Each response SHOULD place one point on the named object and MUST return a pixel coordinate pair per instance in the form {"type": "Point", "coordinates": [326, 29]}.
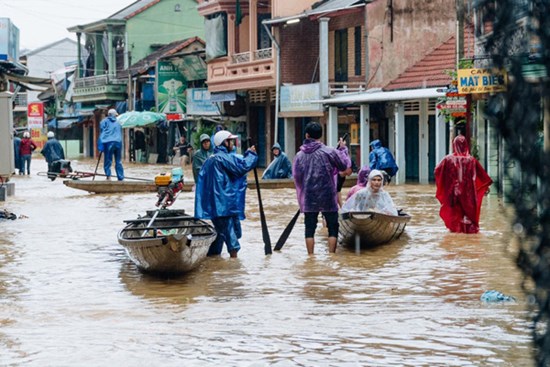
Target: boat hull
{"type": "Point", "coordinates": [110, 187]}
{"type": "Point", "coordinates": [369, 229]}
{"type": "Point", "coordinates": [174, 243]}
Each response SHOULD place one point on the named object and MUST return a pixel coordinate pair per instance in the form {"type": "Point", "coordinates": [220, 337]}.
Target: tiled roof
{"type": "Point", "coordinates": [430, 72]}
{"type": "Point", "coordinates": [146, 63]}
{"type": "Point", "coordinates": [133, 9]}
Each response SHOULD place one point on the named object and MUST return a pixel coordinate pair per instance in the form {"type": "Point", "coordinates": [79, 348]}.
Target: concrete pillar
{"type": "Point", "coordinates": [364, 133]}
{"type": "Point", "coordinates": [290, 142]}
{"type": "Point", "coordinates": [111, 54]}
{"type": "Point", "coordinates": [332, 126]}
{"type": "Point", "coordinates": [400, 143]}
{"type": "Point", "coordinates": [79, 55]}
{"type": "Point", "coordinates": [440, 145]}
{"type": "Point", "coordinates": [423, 143]}
{"type": "Point", "coordinates": [323, 56]}
{"type": "Point", "coordinates": [7, 165]}
{"type": "Point", "coordinates": [253, 25]}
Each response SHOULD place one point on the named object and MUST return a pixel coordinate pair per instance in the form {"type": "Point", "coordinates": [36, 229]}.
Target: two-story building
{"type": "Point", "coordinates": [121, 40]}
{"type": "Point", "coordinates": [292, 60]}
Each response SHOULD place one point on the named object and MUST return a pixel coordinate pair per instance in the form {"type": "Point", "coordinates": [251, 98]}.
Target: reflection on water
{"type": "Point", "coordinates": [70, 296]}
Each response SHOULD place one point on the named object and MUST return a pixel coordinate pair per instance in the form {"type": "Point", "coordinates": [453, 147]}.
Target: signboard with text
{"type": "Point", "coordinates": [481, 81]}
{"type": "Point", "coordinates": [35, 115]}
{"type": "Point", "coordinates": [199, 102]}
{"type": "Point", "coordinates": [297, 98]}
{"type": "Point", "coordinates": [171, 86]}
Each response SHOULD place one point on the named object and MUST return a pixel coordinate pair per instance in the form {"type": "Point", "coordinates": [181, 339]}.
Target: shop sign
{"type": "Point", "coordinates": [481, 81]}
{"type": "Point", "coordinates": [297, 98]}
{"type": "Point", "coordinates": [35, 115]}
{"type": "Point", "coordinates": [200, 103]}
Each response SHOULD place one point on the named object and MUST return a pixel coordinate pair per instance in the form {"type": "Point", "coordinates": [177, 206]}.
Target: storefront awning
{"type": "Point", "coordinates": [380, 96]}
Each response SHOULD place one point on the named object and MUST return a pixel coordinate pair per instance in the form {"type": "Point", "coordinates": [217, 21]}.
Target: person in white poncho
{"type": "Point", "coordinates": [372, 198]}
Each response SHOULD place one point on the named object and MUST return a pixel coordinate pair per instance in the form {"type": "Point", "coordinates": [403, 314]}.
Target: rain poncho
{"type": "Point", "coordinates": [198, 160]}
{"type": "Point", "coordinates": [280, 167]}
{"type": "Point", "coordinates": [367, 200]}
{"type": "Point", "coordinates": [362, 179]}
{"type": "Point", "coordinates": [221, 185]}
{"type": "Point", "coordinates": [111, 132]}
{"type": "Point", "coordinates": [461, 183]}
{"type": "Point", "coordinates": [315, 169]}
{"type": "Point", "coordinates": [52, 151]}
{"type": "Point", "coordinates": [381, 158]}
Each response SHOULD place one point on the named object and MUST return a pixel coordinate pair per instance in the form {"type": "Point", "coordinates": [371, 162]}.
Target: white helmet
{"type": "Point", "coordinates": [221, 136]}
{"type": "Point", "coordinates": [50, 134]}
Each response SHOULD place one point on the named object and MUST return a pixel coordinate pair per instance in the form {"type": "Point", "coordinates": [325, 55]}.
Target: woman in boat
{"type": "Point", "coordinates": [461, 182]}
{"type": "Point", "coordinates": [362, 179]}
{"type": "Point", "coordinates": [220, 191]}
{"type": "Point", "coordinates": [372, 198]}
{"type": "Point", "coordinates": [280, 167]}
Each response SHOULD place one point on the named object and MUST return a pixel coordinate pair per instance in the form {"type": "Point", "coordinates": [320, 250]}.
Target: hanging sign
{"type": "Point", "coordinates": [35, 115]}
{"type": "Point", "coordinates": [481, 81]}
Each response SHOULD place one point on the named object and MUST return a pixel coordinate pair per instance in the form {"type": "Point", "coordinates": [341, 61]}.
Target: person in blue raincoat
{"type": "Point", "coordinates": [315, 169]}
{"type": "Point", "coordinates": [221, 189]}
{"type": "Point", "coordinates": [380, 158]}
{"type": "Point", "coordinates": [52, 150]}
{"type": "Point", "coordinates": [110, 143]}
{"type": "Point", "coordinates": [280, 167]}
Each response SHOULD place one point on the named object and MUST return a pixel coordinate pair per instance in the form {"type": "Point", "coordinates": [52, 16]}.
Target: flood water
{"type": "Point", "coordinates": [69, 296]}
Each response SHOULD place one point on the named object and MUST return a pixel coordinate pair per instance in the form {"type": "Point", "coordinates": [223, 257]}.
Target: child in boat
{"type": "Point", "coordinates": [371, 198]}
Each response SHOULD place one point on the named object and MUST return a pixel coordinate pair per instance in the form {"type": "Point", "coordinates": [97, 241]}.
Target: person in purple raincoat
{"type": "Point", "coordinates": [315, 169]}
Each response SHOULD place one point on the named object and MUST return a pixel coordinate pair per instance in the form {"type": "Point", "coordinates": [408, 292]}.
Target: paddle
{"type": "Point", "coordinates": [265, 232]}
{"type": "Point", "coordinates": [97, 165]}
{"type": "Point", "coordinates": [284, 236]}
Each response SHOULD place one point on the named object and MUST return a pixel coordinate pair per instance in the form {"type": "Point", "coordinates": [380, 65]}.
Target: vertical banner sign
{"type": "Point", "coordinates": [171, 86]}
{"type": "Point", "coordinates": [35, 115]}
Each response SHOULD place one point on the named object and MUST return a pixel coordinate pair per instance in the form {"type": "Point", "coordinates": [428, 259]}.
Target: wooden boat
{"type": "Point", "coordinates": [101, 186]}
{"type": "Point", "coordinates": [370, 228]}
{"type": "Point", "coordinates": [166, 241]}
{"type": "Point", "coordinates": [110, 187]}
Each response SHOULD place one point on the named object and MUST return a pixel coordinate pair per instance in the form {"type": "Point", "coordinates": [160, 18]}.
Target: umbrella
{"type": "Point", "coordinates": [143, 118]}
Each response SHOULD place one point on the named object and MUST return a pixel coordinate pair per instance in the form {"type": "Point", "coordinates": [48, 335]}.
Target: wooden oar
{"type": "Point", "coordinates": [97, 165]}
{"type": "Point", "coordinates": [265, 231]}
{"type": "Point", "coordinates": [286, 232]}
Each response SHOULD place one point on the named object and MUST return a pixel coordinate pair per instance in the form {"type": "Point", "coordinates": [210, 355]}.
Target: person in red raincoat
{"type": "Point", "coordinates": [461, 182]}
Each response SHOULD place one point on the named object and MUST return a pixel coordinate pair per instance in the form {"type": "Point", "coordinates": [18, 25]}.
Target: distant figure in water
{"type": "Point", "coordinates": [461, 183]}
{"type": "Point", "coordinates": [280, 167]}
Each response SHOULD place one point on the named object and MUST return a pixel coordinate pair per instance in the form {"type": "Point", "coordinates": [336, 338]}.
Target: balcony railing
{"type": "Point", "coordinates": [347, 87]}
{"type": "Point", "coordinates": [96, 81]}
{"type": "Point", "coordinates": [243, 57]}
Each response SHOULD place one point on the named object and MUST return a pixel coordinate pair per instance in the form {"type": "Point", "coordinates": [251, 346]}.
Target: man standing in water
{"type": "Point", "coordinates": [110, 143]}
{"type": "Point", "coordinates": [220, 191]}
{"type": "Point", "coordinates": [314, 170]}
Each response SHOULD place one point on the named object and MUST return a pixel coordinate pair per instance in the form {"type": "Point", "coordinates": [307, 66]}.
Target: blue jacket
{"type": "Point", "coordinates": [111, 132]}
{"type": "Point", "coordinates": [53, 151]}
{"type": "Point", "coordinates": [380, 158]}
{"type": "Point", "coordinates": [221, 187]}
{"type": "Point", "coordinates": [280, 167]}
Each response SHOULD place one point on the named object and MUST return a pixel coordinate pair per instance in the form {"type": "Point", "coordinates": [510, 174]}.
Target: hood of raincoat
{"type": "Point", "coordinates": [375, 144]}
{"type": "Point", "coordinates": [460, 146]}
{"type": "Point", "coordinates": [363, 176]}
{"type": "Point", "coordinates": [277, 146]}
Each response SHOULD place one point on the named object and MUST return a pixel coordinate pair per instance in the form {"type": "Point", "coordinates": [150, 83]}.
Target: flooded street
{"type": "Point", "coordinates": [69, 296]}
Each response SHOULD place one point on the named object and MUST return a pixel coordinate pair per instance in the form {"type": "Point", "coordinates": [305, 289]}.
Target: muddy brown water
{"type": "Point", "coordinates": [69, 296]}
